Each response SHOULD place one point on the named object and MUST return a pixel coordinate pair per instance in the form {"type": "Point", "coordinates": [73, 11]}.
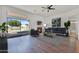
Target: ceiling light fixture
{"type": "Point", "coordinates": [48, 8]}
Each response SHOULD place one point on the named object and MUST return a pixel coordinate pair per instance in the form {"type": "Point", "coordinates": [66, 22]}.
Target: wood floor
{"type": "Point", "coordinates": [41, 44]}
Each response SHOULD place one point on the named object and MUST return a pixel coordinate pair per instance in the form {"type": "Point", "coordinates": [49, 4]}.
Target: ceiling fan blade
{"type": "Point", "coordinates": [52, 8]}
{"type": "Point", "coordinates": [48, 7]}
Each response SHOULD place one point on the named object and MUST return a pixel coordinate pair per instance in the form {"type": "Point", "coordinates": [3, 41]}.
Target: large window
{"type": "Point", "coordinates": [17, 24]}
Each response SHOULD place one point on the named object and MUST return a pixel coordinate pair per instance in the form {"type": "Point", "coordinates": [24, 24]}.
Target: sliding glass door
{"type": "Point", "coordinates": [17, 24]}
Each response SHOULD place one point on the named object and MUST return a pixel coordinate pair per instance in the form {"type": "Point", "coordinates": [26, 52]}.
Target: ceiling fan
{"type": "Point", "coordinates": [48, 7]}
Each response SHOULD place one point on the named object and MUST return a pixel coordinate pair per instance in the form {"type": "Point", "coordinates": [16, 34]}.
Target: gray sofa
{"type": "Point", "coordinates": [58, 31]}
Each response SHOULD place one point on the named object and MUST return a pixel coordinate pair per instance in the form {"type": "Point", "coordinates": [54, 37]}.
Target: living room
{"type": "Point", "coordinates": [47, 26]}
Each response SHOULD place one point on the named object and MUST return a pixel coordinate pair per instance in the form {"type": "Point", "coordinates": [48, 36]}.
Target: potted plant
{"type": "Point", "coordinates": [67, 25]}
{"type": "Point", "coordinates": [3, 29]}
{"type": "Point", "coordinates": [3, 38]}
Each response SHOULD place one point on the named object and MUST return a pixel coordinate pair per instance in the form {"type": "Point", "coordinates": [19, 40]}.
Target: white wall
{"type": "Point", "coordinates": [2, 14]}
{"type": "Point", "coordinates": [77, 24]}
{"type": "Point", "coordinates": [33, 20]}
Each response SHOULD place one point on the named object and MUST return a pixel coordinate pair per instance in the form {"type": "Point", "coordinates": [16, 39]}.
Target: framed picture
{"type": "Point", "coordinates": [56, 22]}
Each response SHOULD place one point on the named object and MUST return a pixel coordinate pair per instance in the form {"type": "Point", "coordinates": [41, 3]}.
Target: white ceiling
{"type": "Point", "coordinates": [36, 9]}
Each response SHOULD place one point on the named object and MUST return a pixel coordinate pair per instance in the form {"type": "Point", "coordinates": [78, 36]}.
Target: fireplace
{"type": "Point", "coordinates": [39, 26]}
{"type": "Point", "coordinates": [39, 29]}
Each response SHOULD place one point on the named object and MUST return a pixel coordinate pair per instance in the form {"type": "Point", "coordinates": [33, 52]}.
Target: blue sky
{"type": "Point", "coordinates": [23, 22]}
